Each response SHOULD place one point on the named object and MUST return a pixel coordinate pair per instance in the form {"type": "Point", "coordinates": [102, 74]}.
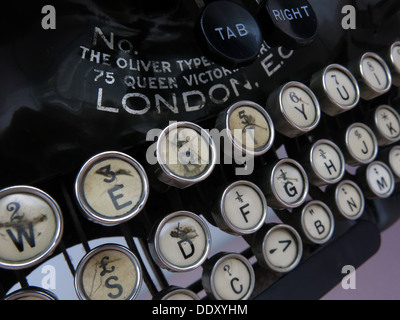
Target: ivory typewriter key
{"type": "Point", "coordinates": [247, 127]}
{"type": "Point", "coordinates": [336, 89]}
{"type": "Point", "coordinates": [346, 200]}
{"type": "Point", "coordinates": [111, 188]}
{"type": "Point", "coordinates": [376, 180]}
{"type": "Point", "coordinates": [108, 272]}
{"type": "Point", "coordinates": [393, 60]}
{"type": "Point", "coordinates": [185, 153]}
{"type": "Point", "coordinates": [314, 221]}
{"type": "Point", "coordinates": [294, 109]}
{"type": "Point", "coordinates": [285, 184]}
{"type": "Point", "coordinates": [241, 209]}
{"type": "Point", "coordinates": [278, 247]}
{"type": "Point", "coordinates": [228, 276]}
{"type": "Point", "coordinates": [372, 74]}
{"type": "Point", "coordinates": [176, 293]}
{"type": "Point", "coordinates": [31, 293]}
{"type": "Point", "coordinates": [391, 157]}
{"type": "Point", "coordinates": [324, 163]}
{"type": "Point", "coordinates": [32, 226]}
{"type": "Point", "coordinates": [386, 125]}
{"type": "Point", "coordinates": [394, 161]}
{"type": "Point", "coordinates": [360, 145]}
{"type": "Point", "coordinates": [180, 242]}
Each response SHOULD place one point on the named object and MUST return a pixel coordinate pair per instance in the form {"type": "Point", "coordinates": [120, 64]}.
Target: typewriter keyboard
{"type": "Point", "coordinates": [260, 188]}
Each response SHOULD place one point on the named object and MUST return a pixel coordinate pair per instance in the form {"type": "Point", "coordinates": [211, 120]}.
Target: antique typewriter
{"type": "Point", "coordinates": [195, 149]}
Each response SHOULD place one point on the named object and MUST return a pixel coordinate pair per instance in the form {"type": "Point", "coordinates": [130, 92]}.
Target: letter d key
{"type": "Point", "coordinates": [180, 242]}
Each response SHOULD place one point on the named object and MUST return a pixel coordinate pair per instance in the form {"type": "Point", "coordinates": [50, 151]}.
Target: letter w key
{"type": "Point", "coordinates": [18, 223]}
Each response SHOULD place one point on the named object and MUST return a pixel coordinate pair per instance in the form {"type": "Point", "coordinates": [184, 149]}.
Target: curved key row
{"type": "Point", "coordinates": [308, 189]}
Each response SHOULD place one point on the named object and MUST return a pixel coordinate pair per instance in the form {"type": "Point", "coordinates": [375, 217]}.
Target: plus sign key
{"type": "Point", "coordinates": [241, 209]}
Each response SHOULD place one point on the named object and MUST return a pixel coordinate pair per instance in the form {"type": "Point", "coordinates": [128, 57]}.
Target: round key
{"type": "Point", "coordinates": [111, 188]}
{"type": "Point", "coordinates": [346, 200]}
{"type": "Point", "coordinates": [294, 109]}
{"type": "Point", "coordinates": [360, 145]}
{"type": "Point", "coordinates": [278, 247]}
{"type": "Point", "coordinates": [314, 221]}
{"type": "Point", "coordinates": [176, 293]}
{"type": "Point", "coordinates": [394, 161]}
{"type": "Point", "coordinates": [229, 34]}
{"type": "Point", "coordinates": [376, 180]}
{"type": "Point", "coordinates": [336, 89]}
{"type": "Point", "coordinates": [393, 61]}
{"type": "Point", "coordinates": [386, 125]}
{"type": "Point", "coordinates": [291, 23]}
{"type": "Point", "coordinates": [228, 276]}
{"type": "Point", "coordinates": [185, 153]}
{"type": "Point", "coordinates": [32, 226]}
{"type": "Point", "coordinates": [32, 294]}
{"type": "Point", "coordinates": [241, 209]}
{"type": "Point", "coordinates": [324, 163]}
{"type": "Point", "coordinates": [247, 127]}
{"type": "Point", "coordinates": [391, 157]}
{"type": "Point", "coordinates": [285, 184]}
{"type": "Point", "coordinates": [372, 74]}
{"type": "Point", "coordinates": [108, 272]}
{"type": "Point", "coordinates": [180, 242]}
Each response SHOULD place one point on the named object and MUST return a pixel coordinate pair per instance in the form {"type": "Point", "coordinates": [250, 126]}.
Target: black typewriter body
{"type": "Point", "coordinates": [111, 72]}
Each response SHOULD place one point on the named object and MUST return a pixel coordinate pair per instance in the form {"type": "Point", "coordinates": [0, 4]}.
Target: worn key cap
{"type": "Point", "coordinates": [31, 226]}
{"type": "Point", "coordinates": [180, 242]}
{"type": "Point", "coordinates": [111, 188]}
{"type": "Point", "coordinates": [284, 183]}
{"type": "Point", "coordinates": [108, 272]}
{"type": "Point", "coordinates": [185, 154]}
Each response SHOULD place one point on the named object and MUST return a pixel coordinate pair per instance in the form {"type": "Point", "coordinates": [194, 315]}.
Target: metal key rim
{"type": "Point", "coordinates": [212, 154]}
{"type": "Point", "coordinates": [267, 118]}
{"type": "Point", "coordinates": [297, 165]}
{"type": "Point", "coordinates": [350, 151]}
{"type": "Point", "coordinates": [385, 67]}
{"type": "Point", "coordinates": [154, 243]}
{"type": "Point", "coordinates": [226, 222]}
{"type": "Point", "coordinates": [58, 219]}
{"type": "Point", "coordinates": [221, 257]}
{"type": "Point", "coordinates": [105, 247]}
{"type": "Point", "coordinates": [340, 154]}
{"type": "Point", "coordinates": [331, 218]}
{"type": "Point", "coordinates": [314, 100]}
{"type": "Point", "coordinates": [91, 213]}
{"type": "Point", "coordinates": [352, 80]}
